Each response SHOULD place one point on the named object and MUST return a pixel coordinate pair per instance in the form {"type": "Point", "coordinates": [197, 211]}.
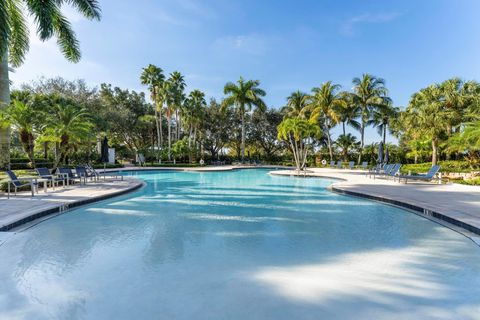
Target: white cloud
{"type": "Point", "coordinates": [254, 44]}
{"type": "Point", "coordinates": [196, 8]}
{"type": "Point", "coordinates": [167, 18]}
{"type": "Point", "coordinates": [348, 28]}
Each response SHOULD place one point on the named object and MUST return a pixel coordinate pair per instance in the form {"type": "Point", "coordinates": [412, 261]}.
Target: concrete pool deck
{"type": "Point", "coordinates": [22, 209]}
{"type": "Point", "coordinates": [458, 205]}
{"type": "Point", "coordinates": [455, 204]}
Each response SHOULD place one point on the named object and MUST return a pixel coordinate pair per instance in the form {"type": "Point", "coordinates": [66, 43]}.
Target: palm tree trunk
{"type": "Point", "coordinates": [329, 142]}
{"type": "Point", "coordinates": [158, 133]}
{"type": "Point", "coordinates": [45, 150]}
{"type": "Point", "coordinates": [384, 134]}
{"type": "Point", "coordinates": [362, 142]}
{"type": "Point", "coordinates": [243, 136]}
{"type": "Point", "coordinates": [160, 125]}
{"type": "Point", "coordinates": [4, 102]}
{"type": "Point", "coordinates": [434, 151]}
{"type": "Point", "coordinates": [177, 120]}
{"type": "Point", "coordinates": [343, 126]}
{"type": "Point", "coordinates": [169, 120]}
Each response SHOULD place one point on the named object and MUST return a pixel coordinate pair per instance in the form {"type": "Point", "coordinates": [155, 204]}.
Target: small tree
{"type": "Point", "coordinates": [180, 149]}
{"type": "Point", "coordinates": [299, 134]}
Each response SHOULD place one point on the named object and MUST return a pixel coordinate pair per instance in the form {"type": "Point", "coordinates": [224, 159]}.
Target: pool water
{"type": "Point", "coordinates": [238, 245]}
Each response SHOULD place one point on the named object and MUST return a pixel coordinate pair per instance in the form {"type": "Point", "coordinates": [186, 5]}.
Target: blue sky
{"type": "Point", "coordinates": [287, 45]}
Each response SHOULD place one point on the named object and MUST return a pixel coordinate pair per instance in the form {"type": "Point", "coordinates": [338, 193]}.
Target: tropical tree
{"type": "Point", "coordinates": [243, 96]}
{"type": "Point", "coordinates": [263, 131]}
{"type": "Point", "coordinates": [427, 116]}
{"type": "Point", "coordinates": [193, 114]}
{"type": "Point", "coordinates": [467, 142]}
{"type": "Point", "coordinates": [349, 112]}
{"type": "Point", "coordinates": [324, 105]}
{"type": "Point", "coordinates": [216, 128]}
{"type": "Point", "coordinates": [154, 78]}
{"type": "Point", "coordinates": [22, 116]}
{"type": "Point", "coordinates": [299, 133]}
{"type": "Point", "coordinates": [369, 93]}
{"type": "Point", "coordinates": [381, 118]}
{"type": "Point", "coordinates": [68, 125]}
{"type": "Point", "coordinates": [14, 41]}
{"type": "Point", "coordinates": [296, 105]}
{"type": "Point", "coordinates": [123, 111]}
{"type": "Point", "coordinates": [178, 86]}
{"type": "Point", "coordinates": [174, 96]}
{"type": "Point", "coordinates": [346, 143]}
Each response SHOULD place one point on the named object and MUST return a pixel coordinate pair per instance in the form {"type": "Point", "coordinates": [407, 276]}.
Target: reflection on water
{"type": "Point", "coordinates": [237, 245]}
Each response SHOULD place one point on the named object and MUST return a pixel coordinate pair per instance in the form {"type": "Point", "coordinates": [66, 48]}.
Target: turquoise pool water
{"type": "Point", "coordinates": [238, 245]}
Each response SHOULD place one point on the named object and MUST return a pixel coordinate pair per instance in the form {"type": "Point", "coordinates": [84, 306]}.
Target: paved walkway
{"type": "Point", "coordinates": [458, 202]}
{"type": "Point", "coordinates": [23, 208]}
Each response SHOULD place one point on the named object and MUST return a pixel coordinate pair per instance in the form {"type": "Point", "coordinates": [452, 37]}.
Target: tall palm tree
{"type": "Point", "coordinates": [382, 116]}
{"type": "Point", "coordinates": [173, 94]}
{"type": "Point", "coordinates": [154, 78]}
{"type": "Point", "coordinates": [296, 105]}
{"type": "Point", "coordinates": [324, 104]}
{"type": "Point", "coordinates": [369, 93]}
{"type": "Point", "coordinates": [178, 86]}
{"type": "Point", "coordinates": [14, 41]}
{"type": "Point", "coordinates": [195, 106]}
{"type": "Point", "coordinates": [349, 112]}
{"type": "Point", "coordinates": [244, 95]}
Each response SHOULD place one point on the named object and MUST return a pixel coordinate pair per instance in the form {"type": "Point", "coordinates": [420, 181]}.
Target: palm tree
{"type": "Point", "coordinates": [68, 125]}
{"type": "Point", "coordinates": [349, 113]}
{"type": "Point", "coordinates": [324, 105]}
{"type": "Point", "coordinates": [382, 117]}
{"type": "Point", "coordinates": [23, 118]}
{"type": "Point", "coordinates": [172, 93]}
{"type": "Point", "coordinates": [153, 77]}
{"type": "Point", "coordinates": [346, 142]}
{"type": "Point", "coordinates": [369, 93]}
{"type": "Point", "coordinates": [244, 96]}
{"type": "Point", "coordinates": [178, 86]}
{"type": "Point", "coordinates": [296, 105]}
{"type": "Point", "coordinates": [14, 41]}
{"type": "Point", "coordinates": [195, 106]}
{"type": "Point", "coordinates": [425, 115]}
{"type": "Point", "coordinates": [297, 132]}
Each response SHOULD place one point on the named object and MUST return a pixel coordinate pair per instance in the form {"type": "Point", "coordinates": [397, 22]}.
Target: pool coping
{"type": "Point", "coordinates": [64, 207]}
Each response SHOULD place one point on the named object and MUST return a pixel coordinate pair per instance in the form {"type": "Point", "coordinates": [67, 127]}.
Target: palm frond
{"type": "Point", "coordinates": [44, 12]}
{"type": "Point", "coordinates": [67, 40]}
{"type": "Point", "coordinates": [4, 27]}
{"type": "Point", "coordinates": [89, 8]}
{"type": "Point", "coordinates": [18, 41]}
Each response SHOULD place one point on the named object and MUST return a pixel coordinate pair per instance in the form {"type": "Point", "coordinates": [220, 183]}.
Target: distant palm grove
{"type": "Point", "coordinates": [55, 121]}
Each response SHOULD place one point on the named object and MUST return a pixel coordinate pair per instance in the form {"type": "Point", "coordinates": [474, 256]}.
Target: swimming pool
{"type": "Point", "coordinates": [238, 245]}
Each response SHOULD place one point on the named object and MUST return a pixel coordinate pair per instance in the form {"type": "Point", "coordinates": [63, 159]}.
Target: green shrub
{"type": "Point", "coordinates": [470, 182]}
{"type": "Point", "coordinates": [445, 166]}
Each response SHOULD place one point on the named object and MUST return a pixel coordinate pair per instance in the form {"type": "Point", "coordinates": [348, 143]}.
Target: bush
{"type": "Point", "coordinates": [445, 166]}
{"type": "Point", "coordinates": [470, 182]}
